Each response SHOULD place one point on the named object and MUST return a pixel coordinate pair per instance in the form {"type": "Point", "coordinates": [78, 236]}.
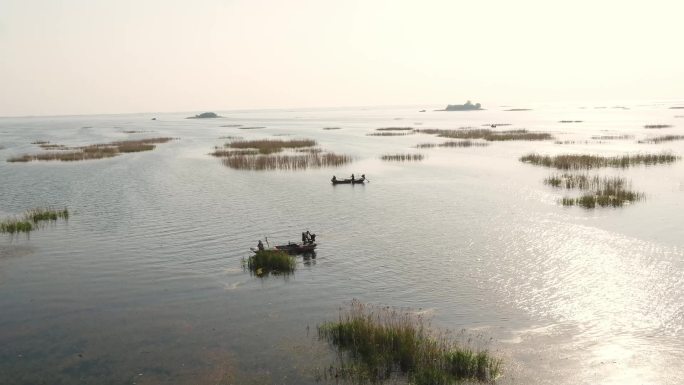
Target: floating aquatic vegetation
{"type": "Point", "coordinates": [378, 343]}
{"type": "Point", "coordinates": [94, 151]}
{"type": "Point", "coordinates": [657, 126]}
{"type": "Point", "coordinates": [265, 262]}
{"type": "Point", "coordinates": [582, 161]}
{"type": "Point", "coordinates": [402, 157]}
{"type": "Point", "coordinates": [661, 139]}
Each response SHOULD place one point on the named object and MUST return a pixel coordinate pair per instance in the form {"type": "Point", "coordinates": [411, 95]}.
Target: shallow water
{"type": "Point", "coordinates": [144, 283]}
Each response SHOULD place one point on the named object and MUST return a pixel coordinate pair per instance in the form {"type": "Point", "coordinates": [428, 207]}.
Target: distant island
{"type": "Point", "coordinates": [468, 106]}
{"type": "Point", "coordinates": [204, 115]}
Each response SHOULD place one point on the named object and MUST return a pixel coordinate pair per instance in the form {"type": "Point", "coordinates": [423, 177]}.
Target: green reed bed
{"type": "Point", "coordinates": [661, 139]}
{"type": "Point", "coordinates": [426, 145]}
{"type": "Point", "coordinates": [223, 153]}
{"type": "Point", "coordinates": [390, 133]}
{"type": "Point", "coordinates": [312, 150]}
{"type": "Point", "coordinates": [395, 129]}
{"type": "Point", "coordinates": [585, 182]}
{"type": "Point", "coordinates": [581, 161]}
{"type": "Point", "coordinates": [657, 126]}
{"type": "Point", "coordinates": [376, 344]}
{"type": "Point", "coordinates": [285, 162]}
{"type": "Point", "coordinates": [402, 157]}
{"type": "Point", "coordinates": [32, 219]}
{"type": "Point", "coordinates": [271, 262]}
{"type": "Point", "coordinates": [271, 146]}
{"type": "Point", "coordinates": [94, 151]}
{"type": "Point", "coordinates": [488, 135]}
{"type": "Point", "coordinates": [12, 226]}
{"type": "Point", "coordinates": [463, 143]}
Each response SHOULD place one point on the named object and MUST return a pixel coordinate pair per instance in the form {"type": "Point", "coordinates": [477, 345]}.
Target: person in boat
{"type": "Point", "coordinates": [303, 238]}
{"type": "Point", "coordinates": [363, 177]}
{"type": "Point", "coordinates": [352, 178]}
{"type": "Point", "coordinates": [334, 179]}
{"type": "Point", "coordinates": [313, 238]}
{"type": "Point", "coordinates": [260, 245]}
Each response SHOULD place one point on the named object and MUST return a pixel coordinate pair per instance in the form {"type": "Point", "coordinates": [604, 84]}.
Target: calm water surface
{"type": "Point", "coordinates": [144, 283]}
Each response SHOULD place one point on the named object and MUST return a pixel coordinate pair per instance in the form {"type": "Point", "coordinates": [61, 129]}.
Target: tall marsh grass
{"type": "Point", "coordinates": [378, 343]}
{"type": "Point", "coordinates": [271, 146]}
{"type": "Point", "coordinates": [390, 133]}
{"type": "Point", "coordinates": [585, 182]}
{"type": "Point", "coordinates": [32, 219]}
{"type": "Point", "coordinates": [582, 161]}
{"type": "Point", "coordinates": [285, 162]}
{"type": "Point", "coordinates": [657, 126]}
{"type": "Point", "coordinates": [395, 129]}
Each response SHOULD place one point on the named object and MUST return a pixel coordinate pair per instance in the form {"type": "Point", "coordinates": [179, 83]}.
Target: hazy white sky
{"type": "Point", "coordinates": [108, 56]}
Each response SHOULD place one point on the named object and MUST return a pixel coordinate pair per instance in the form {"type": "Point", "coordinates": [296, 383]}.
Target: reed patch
{"type": "Point", "coordinates": [402, 157]}
{"type": "Point", "coordinates": [657, 126]}
{"type": "Point", "coordinates": [265, 262]}
{"type": "Point", "coordinates": [377, 344]}
{"type": "Point", "coordinates": [32, 219]}
{"type": "Point", "coordinates": [583, 161]}
{"type": "Point", "coordinates": [94, 151]}
{"type": "Point", "coordinates": [487, 134]}
{"type": "Point", "coordinates": [662, 139]}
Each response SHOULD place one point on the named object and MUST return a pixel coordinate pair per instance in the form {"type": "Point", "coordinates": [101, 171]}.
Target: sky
{"type": "Point", "coordinates": [117, 56]}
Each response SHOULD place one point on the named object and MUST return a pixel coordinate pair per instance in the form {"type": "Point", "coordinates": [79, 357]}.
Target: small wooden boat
{"type": "Point", "coordinates": [297, 248]}
{"type": "Point", "coordinates": [348, 181]}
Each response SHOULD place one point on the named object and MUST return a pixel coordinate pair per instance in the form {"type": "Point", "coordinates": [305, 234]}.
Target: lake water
{"type": "Point", "coordinates": [144, 283]}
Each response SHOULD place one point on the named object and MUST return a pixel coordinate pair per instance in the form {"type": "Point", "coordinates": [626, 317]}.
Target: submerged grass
{"type": "Point", "coordinates": [402, 157]}
{"type": "Point", "coordinates": [271, 262]}
{"type": "Point", "coordinates": [94, 151]}
{"type": "Point", "coordinates": [581, 161]}
{"type": "Point", "coordinates": [661, 139]}
{"type": "Point", "coordinates": [488, 135]}
{"type": "Point", "coordinates": [382, 342]}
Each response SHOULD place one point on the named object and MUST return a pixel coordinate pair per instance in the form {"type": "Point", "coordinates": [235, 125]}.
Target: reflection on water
{"type": "Point", "coordinates": [144, 283]}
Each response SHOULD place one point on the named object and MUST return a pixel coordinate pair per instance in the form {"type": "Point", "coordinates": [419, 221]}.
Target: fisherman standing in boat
{"type": "Point", "coordinates": [352, 178]}
{"type": "Point", "coordinates": [260, 245]}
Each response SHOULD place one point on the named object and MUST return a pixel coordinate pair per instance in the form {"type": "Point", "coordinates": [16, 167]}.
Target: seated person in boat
{"type": "Point", "coordinates": [334, 179]}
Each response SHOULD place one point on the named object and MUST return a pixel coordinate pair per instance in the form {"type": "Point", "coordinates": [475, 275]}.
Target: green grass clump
{"type": "Point", "coordinates": [580, 161]}
{"type": "Point", "coordinates": [380, 342]}
{"type": "Point", "coordinates": [402, 157]}
{"type": "Point", "coordinates": [271, 262]}
{"type": "Point", "coordinates": [43, 214]}
{"type": "Point", "coordinates": [13, 226]}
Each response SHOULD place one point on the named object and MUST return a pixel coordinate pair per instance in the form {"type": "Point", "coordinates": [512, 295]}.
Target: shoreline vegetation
{"type": "Point", "coordinates": [377, 344]}
{"type": "Point", "coordinates": [583, 161]}
{"type": "Point", "coordinates": [93, 151]}
{"type": "Point", "coordinates": [265, 154]}
{"type": "Point", "coordinates": [32, 219]}
{"type": "Point", "coordinates": [487, 134]}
